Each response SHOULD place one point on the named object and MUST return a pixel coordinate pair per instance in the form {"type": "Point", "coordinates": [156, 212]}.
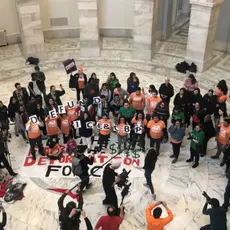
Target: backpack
{"type": "Point", "coordinates": [32, 61]}
{"type": "Point", "coordinates": [76, 166]}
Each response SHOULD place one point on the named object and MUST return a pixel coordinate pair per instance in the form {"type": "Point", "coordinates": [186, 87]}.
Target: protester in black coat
{"type": "Point", "coordinates": [166, 91]}
{"type": "Point", "coordinates": [91, 90]}
{"type": "Point", "coordinates": [55, 94]}
{"type": "Point", "coordinates": [21, 94]}
{"type": "Point", "coordinates": [84, 162]}
{"type": "Point", "coordinates": [209, 132]}
{"type": "Point", "coordinates": [198, 115]}
{"type": "Point", "coordinates": [40, 78]}
{"type": "Point", "coordinates": [31, 107]}
{"type": "Point", "coordinates": [4, 122]}
{"type": "Point", "coordinates": [3, 157]}
{"type": "Point", "coordinates": [196, 97]}
{"type": "Point", "coordinates": [209, 102]}
{"type": "Point", "coordinates": [13, 107]}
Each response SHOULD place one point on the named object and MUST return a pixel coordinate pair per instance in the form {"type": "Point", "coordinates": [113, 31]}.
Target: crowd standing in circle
{"type": "Point", "coordinates": [147, 113]}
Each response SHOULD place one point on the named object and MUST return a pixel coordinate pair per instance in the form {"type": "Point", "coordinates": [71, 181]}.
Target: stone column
{"type": "Point", "coordinates": [202, 32]}
{"type": "Point", "coordinates": [89, 28]}
{"type": "Point", "coordinates": [145, 28]}
{"type": "Point", "coordinates": [31, 32]}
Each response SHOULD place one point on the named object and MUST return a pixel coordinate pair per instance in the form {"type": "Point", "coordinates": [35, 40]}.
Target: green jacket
{"type": "Point", "coordinates": [199, 136]}
{"type": "Point", "coordinates": [112, 84]}
{"type": "Point", "coordinates": [178, 116]}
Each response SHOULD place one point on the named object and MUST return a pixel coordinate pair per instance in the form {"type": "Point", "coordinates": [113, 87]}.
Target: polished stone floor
{"type": "Point", "coordinates": [179, 184]}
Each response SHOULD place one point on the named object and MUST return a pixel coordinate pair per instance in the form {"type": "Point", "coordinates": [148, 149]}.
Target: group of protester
{"type": "Point", "coordinates": [132, 114]}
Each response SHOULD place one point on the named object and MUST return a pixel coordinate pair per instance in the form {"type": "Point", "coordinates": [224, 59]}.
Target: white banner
{"type": "Point", "coordinates": [45, 167]}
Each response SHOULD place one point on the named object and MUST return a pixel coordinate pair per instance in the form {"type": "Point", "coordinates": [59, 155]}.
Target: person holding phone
{"type": "Point", "coordinates": [4, 217]}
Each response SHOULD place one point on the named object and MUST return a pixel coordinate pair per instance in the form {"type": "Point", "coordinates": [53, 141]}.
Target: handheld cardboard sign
{"type": "Point", "coordinates": [96, 100]}
{"type": "Point", "coordinates": [138, 130]}
{"type": "Point", "coordinates": [69, 65]}
{"type": "Point", "coordinates": [33, 119]}
{"type": "Point", "coordinates": [53, 113]}
{"type": "Point", "coordinates": [61, 109]}
{"type": "Point", "coordinates": [70, 104]}
{"type": "Point", "coordinates": [89, 124]}
{"type": "Point", "coordinates": [127, 129]}
{"type": "Point", "coordinates": [77, 124]}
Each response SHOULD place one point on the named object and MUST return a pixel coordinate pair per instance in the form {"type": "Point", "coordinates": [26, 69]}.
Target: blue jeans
{"type": "Point", "coordinates": [148, 173]}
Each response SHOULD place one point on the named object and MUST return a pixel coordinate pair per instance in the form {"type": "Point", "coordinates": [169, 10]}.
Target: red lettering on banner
{"type": "Point", "coordinates": [136, 161]}
{"type": "Point", "coordinates": [42, 161]}
{"type": "Point", "coordinates": [62, 160]}
{"type": "Point", "coordinates": [68, 159]}
{"type": "Point", "coordinates": [127, 161]}
{"type": "Point", "coordinates": [52, 161]}
{"type": "Point", "coordinates": [29, 161]}
{"type": "Point", "coordinates": [102, 158]}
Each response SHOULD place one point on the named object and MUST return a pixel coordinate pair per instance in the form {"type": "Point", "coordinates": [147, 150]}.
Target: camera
{"type": "Point", "coordinates": [123, 178]}
{"type": "Point", "coordinates": [208, 198]}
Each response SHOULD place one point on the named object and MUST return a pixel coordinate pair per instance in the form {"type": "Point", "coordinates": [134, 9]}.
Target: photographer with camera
{"type": "Point", "coordinates": [111, 221]}
{"type": "Point", "coordinates": [69, 216]}
{"type": "Point", "coordinates": [154, 222]}
{"type": "Point", "coordinates": [217, 214]}
{"type": "Point", "coordinates": [109, 179]}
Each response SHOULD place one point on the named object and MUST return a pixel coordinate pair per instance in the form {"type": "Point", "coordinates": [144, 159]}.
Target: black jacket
{"type": "Point", "coordinates": [31, 108]}
{"type": "Point", "coordinates": [3, 113]}
{"type": "Point", "coordinates": [209, 103]}
{"type": "Point", "coordinates": [108, 178]}
{"type": "Point", "coordinates": [163, 113]}
{"type": "Point", "coordinates": [58, 94]}
{"type": "Point", "coordinates": [181, 101]}
{"type": "Point", "coordinates": [84, 165]}
{"type": "Point", "coordinates": [41, 114]}
{"type": "Point", "coordinates": [217, 217]}
{"type": "Point", "coordinates": [73, 81]}
{"type": "Point", "coordinates": [40, 76]}
{"type": "Point", "coordinates": [200, 115]}
{"type": "Point", "coordinates": [74, 222]}
{"type": "Point", "coordinates": [25, 95]}
{"type": "Point", "coordinates": [84, 131]}
{"type": "Point", "coordinates": [150, 162]}
{"type": "Point", "coordinates": [167, 91]}
{"type": "Point", "coordinates": [12, 109]}
{"type": "Point", "coordinates": [91, 91]}
{"type": "Point", "coordinates": [197, 98]}
{"type": "Point", "coordinates": [4, 221]}
{"type": "Point", "coordinates": [209, 129]}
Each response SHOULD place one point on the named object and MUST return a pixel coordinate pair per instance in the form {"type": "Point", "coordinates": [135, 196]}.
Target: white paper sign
{"type": "Point", "coordinates": [77, 124]}
{"type": "Point", "coordinates": [33, 119]}
{"type": "Point", "coordinates": [53, 113]}
{"type": "Point", "coordinates": [96, 100]}
{"type": "Point", "coordinates": [61, 109]}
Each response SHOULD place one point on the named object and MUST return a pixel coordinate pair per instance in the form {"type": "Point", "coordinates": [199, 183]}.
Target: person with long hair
{"type": "Point", "coordinates": [106, 92]}
{"type": "Point", "coordinates": [139, 124]}
{"type": "Point", "coordinates": [132, 82]}
{"type": "Point", "coordinates": [112, 81]}
{"type": "Point", "coordinates": [149, 166]}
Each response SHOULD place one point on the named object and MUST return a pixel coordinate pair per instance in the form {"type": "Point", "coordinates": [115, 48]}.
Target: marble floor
{"type": "Point", "coordinates": [179, 184]}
